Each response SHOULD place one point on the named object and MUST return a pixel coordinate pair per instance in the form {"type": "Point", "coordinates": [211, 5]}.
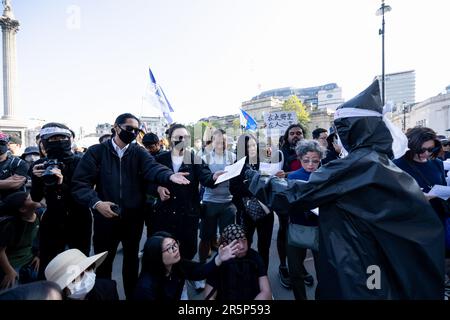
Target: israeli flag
{"type": "Point", "coordinates": [247, 121]}
{"type": "Point", "coordinates": [164, 104]}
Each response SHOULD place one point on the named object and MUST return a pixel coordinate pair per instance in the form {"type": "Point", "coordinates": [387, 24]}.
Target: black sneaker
{"type": "Point", "coordinates": [308, 280]}
{"type": "Point", "coordinates": [285, 279]}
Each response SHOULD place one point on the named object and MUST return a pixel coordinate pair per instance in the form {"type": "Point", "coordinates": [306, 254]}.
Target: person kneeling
{"type": "Point", "coordinates": [242, 278]}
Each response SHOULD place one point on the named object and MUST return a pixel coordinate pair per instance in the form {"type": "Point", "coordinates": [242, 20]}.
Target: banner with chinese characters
{"type": "Point", "coordinates": [276, 123]}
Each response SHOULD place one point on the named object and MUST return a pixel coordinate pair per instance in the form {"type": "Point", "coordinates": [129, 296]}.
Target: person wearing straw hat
{"type": "Point", "coordinates": [74, 273]}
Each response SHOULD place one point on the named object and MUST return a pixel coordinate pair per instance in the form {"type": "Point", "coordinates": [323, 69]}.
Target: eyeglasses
{"type": "Point", "coordinates": [130, 129]}
{"type": "Point", "coordinates": [296, 133]}
{"type": "Point", "coordinates": [310, 161]}
{"type": "Point", "coordinates": [430, 150]}
{"type": "Point", "coordinates": [172, 248]}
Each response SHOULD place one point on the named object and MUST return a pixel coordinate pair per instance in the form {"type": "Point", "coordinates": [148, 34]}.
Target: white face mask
{"type": "Point", "coordinates": [344, 152]}
{"type": "Point", "coordinates": [80, 289]}
{"type": "Point", "coordinates": [32, 158]}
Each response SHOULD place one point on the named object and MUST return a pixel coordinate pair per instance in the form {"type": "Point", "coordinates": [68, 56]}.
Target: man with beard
{"type": "Point", "coordinates": [294, 133]}
{"type": "Point", "coordinates": [378, 236]}
{"type": "Point", "coordinates": [65, 222]}
{"type": "Point", "coordinates": [119, 170]}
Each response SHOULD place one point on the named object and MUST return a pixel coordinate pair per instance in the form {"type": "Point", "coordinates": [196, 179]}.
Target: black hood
{"type": "Point", "coordinates": [369, 99]}
{"type": "Point", "coordinates": [365, 132]}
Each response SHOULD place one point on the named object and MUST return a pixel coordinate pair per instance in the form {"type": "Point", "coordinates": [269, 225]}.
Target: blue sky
{"type": "Point", "coordinates": [210, 55]}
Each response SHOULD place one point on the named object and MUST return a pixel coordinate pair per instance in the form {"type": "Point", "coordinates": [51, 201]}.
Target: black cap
{"type": "Point", "coordinates": [13, 202]}
{"type": "Point", "coordinates": [31, 150]}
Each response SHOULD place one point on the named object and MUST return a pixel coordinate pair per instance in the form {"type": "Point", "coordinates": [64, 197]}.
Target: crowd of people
{"type": "Point", "coordinates": [348, 195]}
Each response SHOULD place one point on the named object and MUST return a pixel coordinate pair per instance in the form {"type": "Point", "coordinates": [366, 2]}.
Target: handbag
{"type": "Point", "coordinates": [255, 208]}
{"type": "Point", "coordinates": [303, 236]}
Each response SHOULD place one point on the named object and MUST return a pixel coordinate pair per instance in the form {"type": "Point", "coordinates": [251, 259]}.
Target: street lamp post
{"type": "Point", "coordinates": [380, 12]}
{"type": "Point", "coordinates": [405, 107]}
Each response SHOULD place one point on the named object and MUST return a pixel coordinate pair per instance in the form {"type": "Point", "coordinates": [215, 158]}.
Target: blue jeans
{"type": "Point", "coordinates": [26, 273]}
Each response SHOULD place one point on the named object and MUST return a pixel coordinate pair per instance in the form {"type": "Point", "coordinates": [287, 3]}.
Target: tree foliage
{"type": "Point", "coordinates": [293, 103]}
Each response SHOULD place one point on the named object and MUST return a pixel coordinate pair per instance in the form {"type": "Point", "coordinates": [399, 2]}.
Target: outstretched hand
{"type": "Point", "coordinates": [179, 178]}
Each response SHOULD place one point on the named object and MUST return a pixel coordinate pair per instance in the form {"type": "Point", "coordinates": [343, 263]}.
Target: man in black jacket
{"type": "Point", "coordinates": [65, 222]}
{"type": "Point", "coordinates": [120, 171]}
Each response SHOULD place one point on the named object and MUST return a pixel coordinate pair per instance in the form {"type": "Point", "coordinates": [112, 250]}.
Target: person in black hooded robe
{"type": "Point", "coordinates": [378, 236]}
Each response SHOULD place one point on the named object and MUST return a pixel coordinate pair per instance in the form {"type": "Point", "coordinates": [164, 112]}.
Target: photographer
{"type": "Point", "coordinates": [65, 223]}
{"type": "Point", "coordinates": [13, 170]}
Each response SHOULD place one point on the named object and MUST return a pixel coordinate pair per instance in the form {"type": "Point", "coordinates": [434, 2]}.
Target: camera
{"type": "Point", "coordinates": [50, 179]}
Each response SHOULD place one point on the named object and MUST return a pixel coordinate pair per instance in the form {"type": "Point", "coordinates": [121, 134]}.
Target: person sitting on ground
{"type": "Point", "coordinates": [19, 225]}
{"type": "Point", "coordinates": [164, 272]}
{"type": "Point", "coordinates": [242, 278]}
{"type": "Point", "coordinates": [75, 275]}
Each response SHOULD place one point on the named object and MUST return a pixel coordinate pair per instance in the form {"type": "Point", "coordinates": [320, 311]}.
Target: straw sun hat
{"type": "Point", "coordinates": [68, 265]}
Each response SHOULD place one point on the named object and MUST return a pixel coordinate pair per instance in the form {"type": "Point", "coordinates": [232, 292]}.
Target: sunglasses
{"type": "Point", "coordinates": [430, 150]}
{"type": "Point", "coordinates": [130, 129]}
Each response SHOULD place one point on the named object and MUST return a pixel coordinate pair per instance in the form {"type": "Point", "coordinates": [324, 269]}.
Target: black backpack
{"type": "Point", "coordinates": [9, 167]}
{"type": "Point", "coordinates": [238, 280]}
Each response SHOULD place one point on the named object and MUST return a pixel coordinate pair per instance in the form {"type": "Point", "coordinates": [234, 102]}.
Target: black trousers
{"type": "Point", "coordinates": [108, 233]}
{"type": "Point", "coordinates": [264, 229]}
{"type": "Point", "coordinates": [61, 230]}
{"type": "Point", "coordinates": [296, 256]}
{"type": "Point", "coordinates": [283, 220]}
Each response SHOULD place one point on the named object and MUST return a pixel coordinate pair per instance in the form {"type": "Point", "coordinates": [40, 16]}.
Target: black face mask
{"type": "Point", "coordinates": [127, 136]}
{"type": "Point", "coordinates": [58, 149]}
{"type": "Point", "coordinates": [3, 149]}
